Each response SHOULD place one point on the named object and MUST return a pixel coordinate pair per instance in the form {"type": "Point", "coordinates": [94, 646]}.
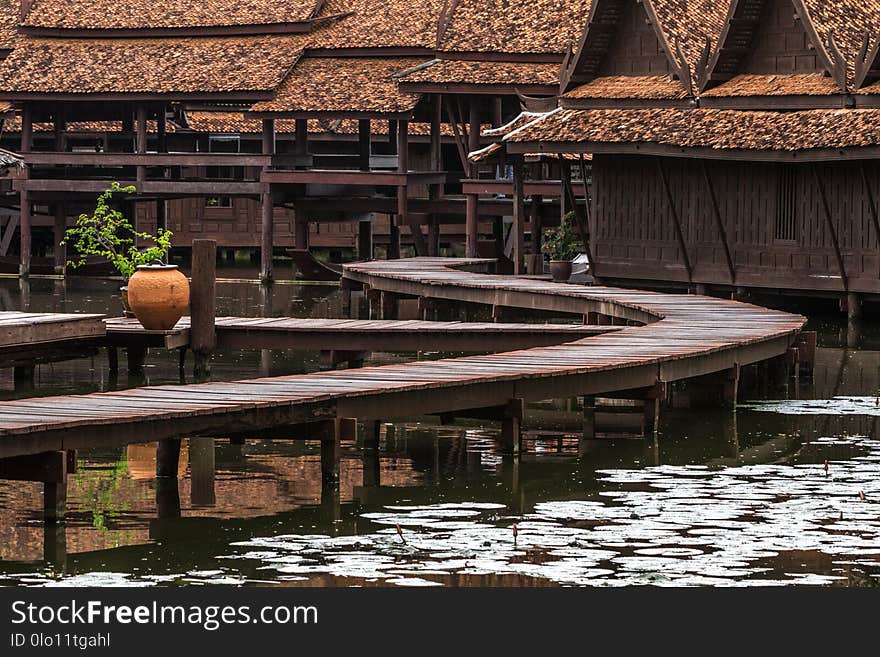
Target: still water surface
{"type": "Point", "coordinates": [716, 499]}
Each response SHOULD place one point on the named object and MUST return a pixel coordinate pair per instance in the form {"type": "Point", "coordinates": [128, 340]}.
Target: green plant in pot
{"type": "Point", "coordinates": [156, 293]}
{"type": "Point", "coordinates": [561, 245]}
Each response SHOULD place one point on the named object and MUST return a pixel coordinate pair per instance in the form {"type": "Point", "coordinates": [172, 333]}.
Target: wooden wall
{"type": "Point", "coordinates": [636, 50]}
{"type": "Point", "coordinates": [762, 207]}
{"type": "Point", "coordinates": [780, 44]}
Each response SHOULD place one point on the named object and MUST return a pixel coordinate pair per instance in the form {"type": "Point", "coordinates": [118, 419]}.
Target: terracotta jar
{"type": "Point", "coordinates": [561, 270]}
{"type": "Point", "coordinates": [158, 296]}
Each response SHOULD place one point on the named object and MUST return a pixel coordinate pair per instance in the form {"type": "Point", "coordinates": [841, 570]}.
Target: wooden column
{"type": "Point", "coordinates": [141, 141]}
{"type": "Point", "coordinates": [511, 426]}
{"type": "Point", "coordinates": [59, 250]}
{"type": "Point", "coordinates": [267, 210]}
{"type": "Point", "coordinates": [330, 451]}
{"type": "Point", "coordinates": [365, 240]}
{"type": "Point", "coordinates": [519, 212]}
{"type": "Point", "coordinates": [435, 192]}
{"type": "Point", "coordinates": [27, 128]}
{"type": "Point", "coordinates": [203, 335]}
{"type": "Point", "coordinates": [24, 267]}
{"type": "Point", "coordinates": [302, 137]}
{"type": "Point", "coordinates": [364, 144]}
{"type": "Point", "coordinates": [472, 211]}
{"type": "Point", "coordinates": [402, 191]}
{"type": "Point", "coordinates": [161, 131]}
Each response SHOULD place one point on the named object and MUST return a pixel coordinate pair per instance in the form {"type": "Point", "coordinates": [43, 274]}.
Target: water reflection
{"type": "Point", "coordinates": [716, 498]}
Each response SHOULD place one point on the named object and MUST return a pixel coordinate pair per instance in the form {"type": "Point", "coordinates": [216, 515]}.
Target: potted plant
{"type": "Point", "coordinates": [155, 292]}
{"type": "Point", "coordinates": [561, 245]}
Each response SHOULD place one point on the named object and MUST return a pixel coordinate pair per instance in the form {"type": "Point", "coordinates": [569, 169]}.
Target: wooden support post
{"type": "Point", "coordinates": [161, 130]}
{"type": "Point", "coordinates": [136, 356]}
{"type": "Point", "coordinates": [435, 192]}
{"type": "Point", "coordinates": [653, 401]}
{"type": "Point", "coordinates": [113, 361]}
{"type": "Point", "coordinates": [472, 210]}
{"type": "Point", "coordinates": [24, 267]}
{"type": "Point", "coordinates": [267, 236]}
{"type": "Point", "coordinates": [364, 145]}
{"type": "Point", "coordinates": [168, 458]}
{"type": "Point", "coordinates": [330, 451]}
{"type": "Point", "coordinates": [23, 376]}
{"type": "Point", "coordinates": [511, 427]}
{"type": "Point", "coordinates": [589, 412]}
{"type": "Point", "coordinates": [365, 240]}
{"type": "Point", "coordinates": [302, 136]}
{"type": "Point", "coordinates": [141, 141]}
{"type": "Point", "coordinates": [389, 305]}
{"type": "Point", "coordinates": [372, 469]}
{"type": "Point", "coordinates": [374, 298]}
{"type": "Point", "coordinates": [519, 218]}
{"type": "Point", "coordinates": [372, 433]}
{"type": "Point", "coordinates": [806, 346]}
{"type": "Point", "coordinates": [203, 335]}
{"type": "Point", "coordinates": [497, 116]}
{"type": "Point", "coordinates": [27, 128]}
{"type": "Point", "coordinates": [54, 500]}
{"type": "Point", "coordinates": [300, 230]}
{"type": "Point", "coordinates": [731, 386]}
{"type": "Point", "coordinates": [393, 239]}
{"type": "Point", "coordinates": [167, 497]}
{"type": "Point", "coordinates": [853, 304]}
{"type": "Point", "coordinates": [427, 309]}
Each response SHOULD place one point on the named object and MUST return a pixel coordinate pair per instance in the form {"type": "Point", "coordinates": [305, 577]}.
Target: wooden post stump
{"type": "Point", "coordinates": [511, 427]}
{"type": "Point", "coordinates": [203, 334]}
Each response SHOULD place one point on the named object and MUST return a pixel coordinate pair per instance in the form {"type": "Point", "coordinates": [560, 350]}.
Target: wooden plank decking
{"type": "Point", "coordinates": [28, 338]}
{"type": "Point", "coordinates": [684, 336]}
{"type": "Point", "coordinates": [356, 334]}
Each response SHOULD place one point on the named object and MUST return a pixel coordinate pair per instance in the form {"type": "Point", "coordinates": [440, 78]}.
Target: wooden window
{"type": "Point", "coordinates": [786, 205]}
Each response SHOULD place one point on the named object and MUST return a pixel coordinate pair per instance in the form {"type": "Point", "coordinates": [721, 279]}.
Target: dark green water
{"type": "Point", "coordinates": [716, 499]}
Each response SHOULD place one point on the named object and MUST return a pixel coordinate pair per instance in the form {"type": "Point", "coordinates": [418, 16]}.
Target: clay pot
{"type": "Point", "coordinates": [158, 295]}
{"type": "Point", "coordinates": [561, 270]}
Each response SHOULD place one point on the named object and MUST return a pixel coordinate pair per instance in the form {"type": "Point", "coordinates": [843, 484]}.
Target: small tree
{"type": "Point", "coordinates": [561, 243]}
{"type": "Point", "coordinates": [107, 233]}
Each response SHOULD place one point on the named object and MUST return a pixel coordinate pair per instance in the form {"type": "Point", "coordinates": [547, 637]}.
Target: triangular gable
{"type": "Point", "coordinates": [622, 37]}
{"type": "Point", "coordinates": [770, 37]}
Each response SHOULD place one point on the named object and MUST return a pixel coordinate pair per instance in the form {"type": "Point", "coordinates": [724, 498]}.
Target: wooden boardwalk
{"type": "Point", "coordinates": [684, 336]}
{"type": "Point", "coordinates": [38, 337]}
{"type": "Point", "coordinates": [356, 334]}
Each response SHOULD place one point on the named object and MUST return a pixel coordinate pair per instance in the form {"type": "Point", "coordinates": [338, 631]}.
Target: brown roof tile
{"type": "Point", "coordinates": [141, 14]}
{"type": "Point", "coordinates": [848, 20]}
{"type": "Point", "coordinates": [690, 23]}
{"type": "Point", "coordinates": [708, 128]}
{"type": "Point", "coordinates": [635, 87]}
{"type": "Point", "coordinates": [514, 26]}
{"type": "Point", "coordinates": [10, 11]}
{"type": "Point", "coordinates": [795, 84]}
{"type": "Point", "coordinates": [475, 72]}
{"type": "Point", "coordinates": [179, 65]}
{"type": "Point", "coordinates": [13, 124]}
{"type": "Point", "coordinates": [339, 84]}
{"type": "Point", "coordinates": [379, 24]}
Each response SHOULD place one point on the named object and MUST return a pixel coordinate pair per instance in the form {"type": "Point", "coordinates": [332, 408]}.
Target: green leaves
{"type": "Point", "coordinates": [561, 243]}
{"type": "Point", "coordinates": [107, 233]}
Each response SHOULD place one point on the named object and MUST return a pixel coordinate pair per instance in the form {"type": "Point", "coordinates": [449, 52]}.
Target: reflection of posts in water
{"type": "Point", "coordinates": [509, 471]}
{"type": "Point", "coordinates": [55, 545]}
{"type": "Point", "coordinates": [371, 466]}
{"type": "Point", "coordinates": [731, 435]}
{"type": "Point", "coordinates": [331, 507]}
{"type": "Point", "coordinates": [266, 293]}
{"type": "Point", "coordinates": [201, 464]}
{"type": "Point", "coordinates": [167, 492]}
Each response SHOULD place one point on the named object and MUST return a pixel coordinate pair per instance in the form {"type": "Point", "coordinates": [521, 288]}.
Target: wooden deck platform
{"type": "Point", "coordinates": [355, 334]}
{"type": "Point", "coordinates": [684, 336]}
{"type": "Point", "coordinates": [38, 337]}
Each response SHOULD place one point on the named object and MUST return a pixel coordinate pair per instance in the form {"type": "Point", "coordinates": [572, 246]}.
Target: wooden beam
{"type": "Point", "coordinates": [829, 224]}
{"type": "Point", "coordinates": [719, 223]}
{"type": "Point", "coordinates": [24, 267]}
{"type": "Point", "coordinates": [679, 232]}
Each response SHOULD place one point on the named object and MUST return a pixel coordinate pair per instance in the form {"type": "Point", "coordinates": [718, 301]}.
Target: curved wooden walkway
{"type": "Point", "coordinates": [683, 336]}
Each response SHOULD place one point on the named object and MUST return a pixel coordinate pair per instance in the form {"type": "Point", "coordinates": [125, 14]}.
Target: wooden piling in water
{"type": "Point", "coordinates": [331, 453]}
{"type": "Point", "coordinates": [167, 458]}
{"type": "Point", "coordinates": [203, 306]}
{"type": "Point", "coordinates": [511, 427]}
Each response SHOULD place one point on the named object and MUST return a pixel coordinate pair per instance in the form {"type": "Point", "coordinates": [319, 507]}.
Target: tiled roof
{"type": "Point", "coordinates": [690, 23]}
{"type": "Point", "coordinates": [379, 24]}
{"type": "Point", "coordinates": [708, 128]}
{"type": "Point", "coordinates": [179, 65]}
{"type": "Point", "coordinates": [476, 72]}
{"type": "Point", "coordinates": [9, 17]}
{"type": "Point", "coordinates": [13, 124]}
{"type": "Point", "coordinates": [635, 87]}
{"type": "Point", "coordinates": [144, 14]}
{"type": "Point", "coordinates": [236, 122]}
{"type": "Point", "coordinates": [795, 84]}
{"type": "Point", "coordinates": [514, 26]}
{"type": "Point", "coordinates": [340, 84]}
{"type": "Point", "coordinates": [848, 20]}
